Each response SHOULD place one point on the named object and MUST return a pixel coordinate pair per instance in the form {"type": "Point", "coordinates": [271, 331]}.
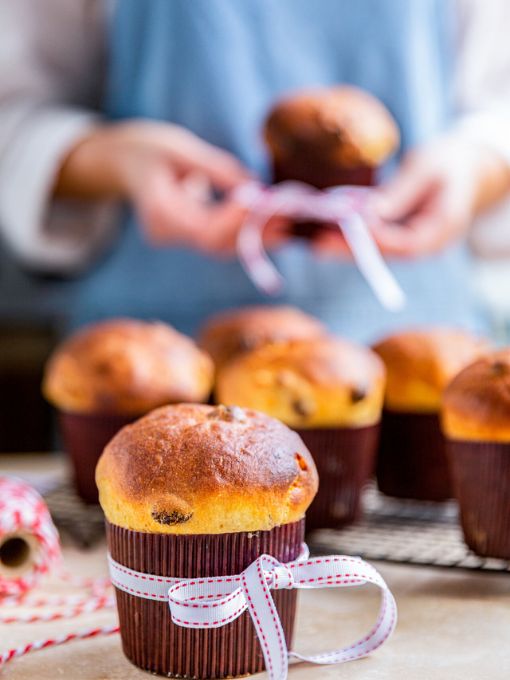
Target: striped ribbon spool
{"type": "Point", "coordinates": [29, 542]}
{"type": "Point", "coordinates": [29, 551]}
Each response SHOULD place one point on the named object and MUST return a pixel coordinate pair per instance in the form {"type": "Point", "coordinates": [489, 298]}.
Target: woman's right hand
{"type": "Point", "coordinates": [167, 174]}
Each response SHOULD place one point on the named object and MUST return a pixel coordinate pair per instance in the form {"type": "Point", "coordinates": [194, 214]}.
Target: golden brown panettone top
{"type": "Point", "coordinates": [476, 404]}
{"type": "Point", "coordinates": [239, 330]}
{"type": "Point", "coordinates": [342, 126]}
{"type": "Point", "coordinates": [322, 382]}
{"type": "Point", "coordinates": [128, 367]}
{"type": "Point", "coordinates": [420, 363]}
{"type": "Point", "coordinates": [199, 469]}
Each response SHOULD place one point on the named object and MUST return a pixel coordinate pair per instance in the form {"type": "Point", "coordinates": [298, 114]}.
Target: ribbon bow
{"type": "Point", "coordinates": [348, 208]}
{"type": "Point", "coordinates": [217, 601]}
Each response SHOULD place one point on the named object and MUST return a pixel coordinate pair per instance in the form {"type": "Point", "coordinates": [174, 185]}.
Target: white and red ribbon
{"type": "Point", "coordinates": [38, 645]}
{"type": "Point", "coordinates": [348, 208]}
{"type": "Point", "coordinates": [217, 601]}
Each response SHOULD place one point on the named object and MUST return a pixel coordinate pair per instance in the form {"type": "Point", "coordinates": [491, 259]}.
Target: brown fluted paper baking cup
{"type": "Point", "coordinates": [149, 638]}
{"type": "Point", "coordinates": [411, 461]}
{"type": "Point", "coordinates": [322, 175]}
{"type": "Point", "coordinates": [481, 483]}
{"type": "Point", "coordinates": [345, 459]}
{"type": "Point", "coordinates": [84, 437]}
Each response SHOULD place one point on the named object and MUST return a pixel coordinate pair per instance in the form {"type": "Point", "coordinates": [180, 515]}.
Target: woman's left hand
{"type": "Point", "coordinates": [436, 193]}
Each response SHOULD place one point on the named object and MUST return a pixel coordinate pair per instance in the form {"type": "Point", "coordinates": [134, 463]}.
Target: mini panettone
{"type": "Point", "coordinates": [238, 330]}
{"type": "Point", "coordinates": [205, 518]}
{"type": "Point", "coordinates": [194, 491]}
{"type": "Point", "coordinates": [199, 469]}
{"type": "Point", "coordinates": [329, 390]}
{"type": "Point", "coordinates": [476, 403]}
{"type": "Point", "coordinates": [476, 422]}
{"type": "Point", "coordinates": [108, 374]}
{"type": "Point", "coordinates": [420, 363]}
{"type": "Point", "coordinates": [322, 382]}
{"type": "Point", "coordinates": [126, 366]}
{"type": "Point", "coordinates": [314, 134]}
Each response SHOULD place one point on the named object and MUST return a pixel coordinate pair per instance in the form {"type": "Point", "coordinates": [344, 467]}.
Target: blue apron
{"type": "Point", "coordinates": [216, 66]}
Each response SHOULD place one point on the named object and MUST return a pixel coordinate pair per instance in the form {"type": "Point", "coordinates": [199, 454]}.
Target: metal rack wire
{"type": "Point", "coordinates": [82, 523]}
{"type": "Point", "coordinates": [407, 532]}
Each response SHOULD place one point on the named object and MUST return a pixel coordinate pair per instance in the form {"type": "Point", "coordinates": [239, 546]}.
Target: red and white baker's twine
{"type": "Point", "coordinates": [217, 601]}
{"type": "Point", "coordinates": [22, 650]}
{"type": "Point", "coordinates": [23, 511]}
{"type": "Point", "coordinates": [348, 208]}
{"type": "Point", "coordinates": [24, 514]}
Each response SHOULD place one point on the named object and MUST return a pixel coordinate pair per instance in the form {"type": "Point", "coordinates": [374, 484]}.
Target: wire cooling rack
{"type": "Point", "coordinates": [407, 532]}
{"type": "Point", "coordinates": [391, 530]}
{"type": "Point", "coordinates": [84, 524]}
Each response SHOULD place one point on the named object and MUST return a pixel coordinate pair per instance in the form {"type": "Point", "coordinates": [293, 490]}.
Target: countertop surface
{"type": "Point", "coordinates": [452, 624]}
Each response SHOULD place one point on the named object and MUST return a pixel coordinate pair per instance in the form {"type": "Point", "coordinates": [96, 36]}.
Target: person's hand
{"type": "Point", "coordinates": [436, 193]}
{"type": "Point", "coordinates": [432, 199]}
{"type": "Point", "coordinates": [167, 174]}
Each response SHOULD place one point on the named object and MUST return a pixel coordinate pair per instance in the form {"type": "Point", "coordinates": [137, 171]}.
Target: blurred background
{"type": "Point", "coordinates": [99, 217]}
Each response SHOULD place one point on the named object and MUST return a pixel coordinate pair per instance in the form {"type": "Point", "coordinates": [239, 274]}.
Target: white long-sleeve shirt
{"type": "Point", "coordinates": [51, 66]}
